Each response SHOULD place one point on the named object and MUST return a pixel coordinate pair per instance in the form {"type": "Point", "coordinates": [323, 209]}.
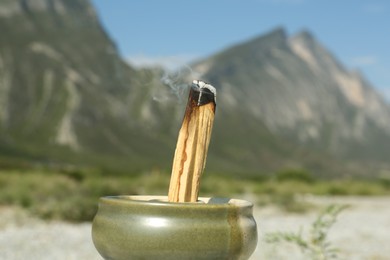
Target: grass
{"type": "Point", "coordinates": [73, 194]}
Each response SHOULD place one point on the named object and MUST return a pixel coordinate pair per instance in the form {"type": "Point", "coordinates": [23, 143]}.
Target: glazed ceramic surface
{"type": "Point", "coordinates": [148, 227]}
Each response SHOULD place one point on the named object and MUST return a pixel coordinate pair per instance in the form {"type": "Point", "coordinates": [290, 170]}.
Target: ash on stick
{"type": "Point", "coordinates": [192, 144]}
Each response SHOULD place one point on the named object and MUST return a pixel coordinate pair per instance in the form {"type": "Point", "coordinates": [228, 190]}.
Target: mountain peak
{"type": "Point", "coordinates": [305, 38]}
{"type": "Point", "coordinates": [275, 36]}
{"type": "Point", "coordinates": [304, 34]}
{"type": "Point", "coordinates": [299, 90]}
{"type": "Point", "coordinates": [278, 32]}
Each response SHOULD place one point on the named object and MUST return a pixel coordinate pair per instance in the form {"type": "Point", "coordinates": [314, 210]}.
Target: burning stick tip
{"type": "Point", "coordinates": [207, 94]}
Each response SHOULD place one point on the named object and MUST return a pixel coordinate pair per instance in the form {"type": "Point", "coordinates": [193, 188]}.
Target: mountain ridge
{"type": "Point", "coordinates": [275, 82]}
{"type": "Point", "coordinates": [66, 96]}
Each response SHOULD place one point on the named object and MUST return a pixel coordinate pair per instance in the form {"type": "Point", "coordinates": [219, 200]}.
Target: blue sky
{"type": "Point", "coordinates": [173, 32]}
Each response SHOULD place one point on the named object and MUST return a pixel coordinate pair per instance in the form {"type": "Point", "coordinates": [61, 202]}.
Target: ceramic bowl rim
{"type": "Point", "coordinates": [159, 200]}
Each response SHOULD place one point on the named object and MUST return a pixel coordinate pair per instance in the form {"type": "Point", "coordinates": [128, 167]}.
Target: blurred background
{"type": "Point", "coordinates": [92, 94]}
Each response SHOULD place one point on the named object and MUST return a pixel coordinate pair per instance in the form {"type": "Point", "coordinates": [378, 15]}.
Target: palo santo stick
{"type": "Point", "coordinates": [192, 144]}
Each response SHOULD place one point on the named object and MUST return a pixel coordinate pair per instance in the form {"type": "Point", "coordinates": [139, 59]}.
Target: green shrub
{"type": "Point", "coordinates": [316, 245]}
{"type": "Point", "coordinates": [336, 189]}
{"type": "Point", "coordinates": [294, 175]}
{"type": "Point", "coordinates": [384, 181]}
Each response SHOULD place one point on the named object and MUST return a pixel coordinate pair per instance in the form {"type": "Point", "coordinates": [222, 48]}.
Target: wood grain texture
{"type": "Point", "coordinates": [191, 148]}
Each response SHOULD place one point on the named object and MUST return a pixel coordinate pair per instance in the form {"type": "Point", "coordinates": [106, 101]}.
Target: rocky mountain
{"type": "Point", "coordinates": [66, 96]}
{"type": "Point", "coordinates": [300, 92]}
{"type": "Point", "coordinates": [65, 91]}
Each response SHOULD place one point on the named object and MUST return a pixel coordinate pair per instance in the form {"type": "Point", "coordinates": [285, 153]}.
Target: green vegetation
{"type": "Point", "coordinates": [72, 194]}
{"type": "Point", "coordinates": [286, 188]}
{"type": "Point", "coordinates": [315, 245]}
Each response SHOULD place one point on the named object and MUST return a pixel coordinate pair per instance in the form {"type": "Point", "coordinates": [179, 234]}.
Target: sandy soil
{"type": "Point", "coordinates": [361, 232]}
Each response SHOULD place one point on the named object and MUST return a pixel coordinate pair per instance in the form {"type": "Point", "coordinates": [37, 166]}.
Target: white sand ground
{"type": "Point", "coordinates": [362, 232]}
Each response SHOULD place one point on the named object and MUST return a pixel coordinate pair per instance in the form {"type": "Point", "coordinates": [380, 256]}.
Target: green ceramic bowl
{"type": "Point", "coordinates": [149, 227]}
